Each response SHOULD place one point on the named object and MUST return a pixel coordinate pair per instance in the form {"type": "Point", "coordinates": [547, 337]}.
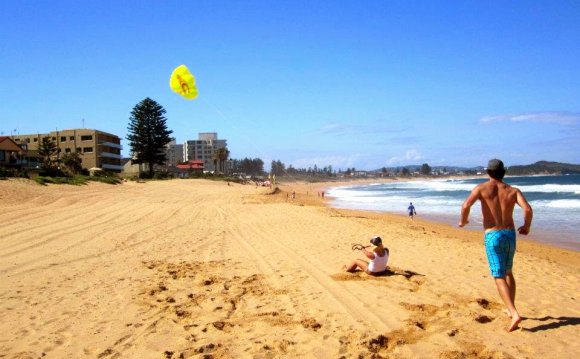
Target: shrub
{"type": "Point", "coordinates": [77, 180]}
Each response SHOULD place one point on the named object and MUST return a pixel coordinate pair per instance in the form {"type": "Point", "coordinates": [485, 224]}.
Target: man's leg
{"type": "Point", "coordinates": [506, 295]}
{"type": "Point", "coordinates": [511, 282]}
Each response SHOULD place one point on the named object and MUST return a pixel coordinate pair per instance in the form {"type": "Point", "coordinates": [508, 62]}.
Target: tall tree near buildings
{"type": "Point", "coordinates": [216, 158]}
{"type": "Point", "coordinates": [47, 150]}
{"type": "Point", "coordinates": [278, 168]}
{"type": "Point", "coordinates": [222, 156]}
{"type": "Point", "coordinates": [148, 134]}
{"type": "Point", "coordinates": [72, 163]}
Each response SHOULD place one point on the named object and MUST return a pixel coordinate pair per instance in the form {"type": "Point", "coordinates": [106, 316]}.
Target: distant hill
{"type": "Point", "coordinates": [544, 167]}
{"type": "Point", "coordinates": [540, 167]}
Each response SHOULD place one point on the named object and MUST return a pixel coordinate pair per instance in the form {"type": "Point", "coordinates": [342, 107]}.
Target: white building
{"type": "Point", "coordinates": [203, 149]}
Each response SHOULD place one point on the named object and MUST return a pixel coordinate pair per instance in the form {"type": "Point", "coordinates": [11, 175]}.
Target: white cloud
{"type": "Point", "coordinates": [332, 128]}
{"type": "Point", "coordinates": [557, 117]}
{"type": "Point", "coordinates": [409, 156]}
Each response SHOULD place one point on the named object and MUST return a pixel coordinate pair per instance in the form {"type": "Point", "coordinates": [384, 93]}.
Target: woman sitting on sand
{"type": "Point", "coordinates": [378, 259]}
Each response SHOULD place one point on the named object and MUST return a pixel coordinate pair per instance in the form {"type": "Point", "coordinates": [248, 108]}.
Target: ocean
{"type": "Point", "coordinates": [554, 199]}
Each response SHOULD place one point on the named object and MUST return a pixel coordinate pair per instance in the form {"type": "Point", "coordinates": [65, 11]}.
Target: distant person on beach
{"type": "Point", "coordinates": [378, 259]}
{"type": "Point", "coordinates": [497, 205]}
{"type": "Point", "coordinates": [411, 210]}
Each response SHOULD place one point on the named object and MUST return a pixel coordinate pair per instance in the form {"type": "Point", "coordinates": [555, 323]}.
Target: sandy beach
{"type": "Point", "coordinates": [202, 269]}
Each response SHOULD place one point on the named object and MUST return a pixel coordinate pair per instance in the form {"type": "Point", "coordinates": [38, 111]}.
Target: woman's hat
{"type": "Point", "coordinates": [375, 241]}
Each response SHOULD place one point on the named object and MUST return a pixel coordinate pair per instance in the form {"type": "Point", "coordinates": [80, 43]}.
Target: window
{"type": "Point", "coordinates": [28, 140]}
{"type": "Point", "coordinates": [67, 150]}
{"type": "Point", "coordinates": [71, 138]}
{"type": "Point", "coordinates": [35, 139]}
{"type": "Point", "coordinates": [87, 138]}
{"type": "Point", "coordinates": [53, 138]}
{"type": "Point", "coordinates": [87, 149]}
{"type": "Point", "coordinates": [79, 149]}
{"type": "Point", "coordinates": [62, 138]}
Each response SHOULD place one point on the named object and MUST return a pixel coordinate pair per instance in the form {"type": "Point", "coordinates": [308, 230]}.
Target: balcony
{"type": "Point", "coordinates": [110, 155]}
{"type": "Point", "coordinates": [111, 144]}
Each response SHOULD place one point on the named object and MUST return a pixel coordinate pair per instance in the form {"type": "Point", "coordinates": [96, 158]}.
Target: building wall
{"type": "Point", "coordinates": [98, 149]}
{"type": "Point", "coordinates": [203, 149]}
{"type": "Point", "coordinates": [174, 154]}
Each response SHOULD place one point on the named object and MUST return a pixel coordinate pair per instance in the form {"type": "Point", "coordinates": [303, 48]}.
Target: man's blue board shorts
{"type": "Point", "coordinates": [500, 246]}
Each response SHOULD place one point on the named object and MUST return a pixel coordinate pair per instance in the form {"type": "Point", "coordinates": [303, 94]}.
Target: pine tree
{"type": "Point", "coordinates": [48, 150]}
{"type": "Point", "coordinates": [148, 134]}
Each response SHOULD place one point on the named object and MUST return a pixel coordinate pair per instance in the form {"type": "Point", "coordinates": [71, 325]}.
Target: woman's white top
{"type": "Point", "coordinates": [379, 264]}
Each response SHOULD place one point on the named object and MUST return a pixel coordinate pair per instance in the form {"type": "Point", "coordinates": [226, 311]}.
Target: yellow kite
{"type": "Point", "coordinates": [183, 82]}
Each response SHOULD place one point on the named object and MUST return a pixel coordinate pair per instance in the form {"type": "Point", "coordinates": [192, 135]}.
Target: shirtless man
{"type": "Point", "coordinates": [497, 205]}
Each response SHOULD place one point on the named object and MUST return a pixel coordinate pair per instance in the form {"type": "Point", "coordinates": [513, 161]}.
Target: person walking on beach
{"type": "Point", "coordinates": [378, 259]}
{"type": "Point", "coordinates": [498, 200]}
{"type": "Point", "coordinates": [411, 210]}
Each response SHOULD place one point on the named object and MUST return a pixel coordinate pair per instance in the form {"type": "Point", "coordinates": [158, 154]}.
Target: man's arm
{"type": "Point", "coordinates": [473, 197]}
{"type": "Point", "coordinates": [528, 213]}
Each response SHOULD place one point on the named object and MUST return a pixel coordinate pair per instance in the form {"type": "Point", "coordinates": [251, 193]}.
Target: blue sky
{"type": "Point", "coordinates": [362, 84]}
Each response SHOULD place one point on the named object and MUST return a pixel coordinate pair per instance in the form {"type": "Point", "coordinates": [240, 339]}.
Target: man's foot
{"type": "Point", "coordinates": [516, 319]}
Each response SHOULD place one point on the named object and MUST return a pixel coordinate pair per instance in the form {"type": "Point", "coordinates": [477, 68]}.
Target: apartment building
{"type": "Point", "coordinates": [203, 149]}
{"type": "Point", "coordinates": [174, 154]}
{"type": "Point", "coordinates": [97, 149]}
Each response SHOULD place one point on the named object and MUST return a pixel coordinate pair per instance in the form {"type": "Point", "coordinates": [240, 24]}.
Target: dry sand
{"type": "Point", "coordinates": [199, 269]}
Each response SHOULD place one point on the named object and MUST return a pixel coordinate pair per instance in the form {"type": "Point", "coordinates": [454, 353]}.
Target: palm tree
{"type": "Point", "coordinates": [215, 158]}
{"type": "Point", "coordinates": [223, 154]}
{"type": "Point", "coordinates": [220, 156]}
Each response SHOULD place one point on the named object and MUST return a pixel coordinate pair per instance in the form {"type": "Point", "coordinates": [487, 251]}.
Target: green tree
{"type": "Point", "coordinates": [425, 169]}
{"type": "Point", "coordinates": [223, 155]}
{"type": "Point", "coordinates": [278, 168]}
{"type": "Point", "coordinates": [405, 171]}
{"type": "Point", "coordinates": [248, 166]}
{"type": "Point", "coordinates": [215, 158]}
{"type": "Point", "coordinates": [148, 134]}
{"type": "Point", "coordinates": [220, 156]}
{"type": "Point", "coordinates": [48, 151]}
{"type": "Point", "coordinates": [72, 163]}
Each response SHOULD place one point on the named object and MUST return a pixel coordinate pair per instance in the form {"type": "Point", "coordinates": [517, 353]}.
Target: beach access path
{"type": "Point", "coordinates": [186, 268]}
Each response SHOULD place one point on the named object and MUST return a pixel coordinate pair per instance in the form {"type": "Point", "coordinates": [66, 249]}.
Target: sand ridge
{"type": "Point", "coordinates": [194, 268]}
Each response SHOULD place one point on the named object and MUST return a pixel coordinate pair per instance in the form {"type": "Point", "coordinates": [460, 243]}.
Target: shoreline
{"type": "Point", "coordinates": [564, 240]}
{"type": "Point", "coordinates": [306, 195]}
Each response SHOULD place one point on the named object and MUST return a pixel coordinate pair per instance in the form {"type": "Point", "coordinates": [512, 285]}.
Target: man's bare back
{"type": "Point", "coordinates": [498, 200]}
